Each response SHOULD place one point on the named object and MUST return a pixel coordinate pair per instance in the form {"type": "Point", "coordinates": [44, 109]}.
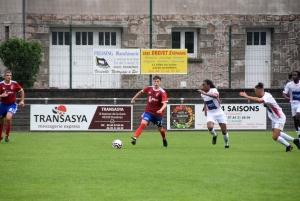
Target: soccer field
{"type": "Point", "coordinates": [84, 166]}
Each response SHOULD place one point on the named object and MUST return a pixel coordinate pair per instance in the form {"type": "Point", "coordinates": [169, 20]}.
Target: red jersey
{"type": "Point", "coordinates": [11, 90]}
{"type": "Point", "coordinates": [156, 98]}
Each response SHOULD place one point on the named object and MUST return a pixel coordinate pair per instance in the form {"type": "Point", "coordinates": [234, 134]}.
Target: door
{"type": "Point", "coordinates": [84, 40]}
{"type": "Point", "coordinates": [258, 58]}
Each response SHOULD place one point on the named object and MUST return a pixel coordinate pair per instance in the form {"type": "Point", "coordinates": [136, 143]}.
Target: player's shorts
{"type": "Point", "coordinates": [152, 118]}
{"type": "Point", "coordinates": [277, 125]}
{"type": "Point", "coordinates": [295, 106]}
{"type": "Point", "coordinates": [219, 117]}
{"type": "Point", "coordinates": [5, 108]}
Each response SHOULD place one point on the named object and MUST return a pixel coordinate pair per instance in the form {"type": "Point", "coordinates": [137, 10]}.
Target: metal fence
{"type": "Point", "coordinates": [21, 120]}
{"type": "Point", "coordinates": [234, 43]}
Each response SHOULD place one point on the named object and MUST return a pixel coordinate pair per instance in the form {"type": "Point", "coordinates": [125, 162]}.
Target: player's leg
{"type": "Point", "coordinates": [210, 127]}
{"type": "Point", "coordinates": [295, 109]}
{"type": "Point", "coordinates": [1, 127]}
{"type": "Point", "coordinates": [11, 110]}
{"type": "Point", "coordinates": [3, 113]}
{"type": "Point", "coordinates": [222, 120]}
{"type": "Point", "coordinates": [163, 135]}
{"type": "Point", "coordinates": [297, 119]}
{"type": "Point", "coordinates": [145, 121]}
{"type": "Point", "coordinates": [290, 138]}
{"type": "Point", "coordinates": [8, 125]}
{"type": "Point", "coordinates": [277, 127]}
{"type": "Point", "coordinates": [225, 134]}
{"type": "Point", "coordinates": [158, 121]}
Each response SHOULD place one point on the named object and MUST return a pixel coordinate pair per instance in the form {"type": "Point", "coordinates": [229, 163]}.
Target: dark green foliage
{"type": "Point", "coordinates": [23, 59]}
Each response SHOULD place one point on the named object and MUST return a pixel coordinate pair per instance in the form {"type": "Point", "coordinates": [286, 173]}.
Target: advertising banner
{"type": "Point", "coordinates": [164, 61]}
{"type": "Point", "coordinates": [116, 61]}
{"type": "Point", "coordinates": [81, 117]}
{"type": "Point", "coordinates": [239, 117]}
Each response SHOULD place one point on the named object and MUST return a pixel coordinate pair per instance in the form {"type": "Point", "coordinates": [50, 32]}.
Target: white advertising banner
{"type": "Point", "coordinates": [81, 117]}
{"type": "Point", "coordinates": [239, 117]}
{"type": "Point", "coordinates": [116, 61]}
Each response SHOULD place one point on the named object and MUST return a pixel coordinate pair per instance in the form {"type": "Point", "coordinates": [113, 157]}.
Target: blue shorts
{"type": "Point", "coordinates": [5, 108]}
{"type": "Point", "coordinates": [152, 118]}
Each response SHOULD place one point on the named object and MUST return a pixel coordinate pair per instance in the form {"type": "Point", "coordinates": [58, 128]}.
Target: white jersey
{"type": "Point", "coordinates": [212, 104]}
{"type": "Point", "coordinates": [274, 110]}
{"type": "Point", "coordinates": [293, 91]}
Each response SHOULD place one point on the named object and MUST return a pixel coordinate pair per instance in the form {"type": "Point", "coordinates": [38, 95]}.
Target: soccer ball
{"type": "Point", "coordinates": [117, 144]}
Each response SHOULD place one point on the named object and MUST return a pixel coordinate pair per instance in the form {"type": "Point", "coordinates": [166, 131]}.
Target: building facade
{"type": "Point", "coordinates": [235, 43]}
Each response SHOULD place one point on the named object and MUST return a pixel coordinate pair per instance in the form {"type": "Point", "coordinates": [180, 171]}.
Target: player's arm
{"type": "Point", "coordinates": [164, 100]}
{"type": "Point", "coordinates": [163, 107]}
{"type": "Point", "coordinates": [285, 92]}
{"type": "Point", "coordinates": [204, 109]}
{"type": "Point", "coordinates": [214, 95]}
{"type": "Point", "coordinates": [285, 96]}
{"type": "Point", "coordinates": [256, 99]}
{"type": "Point", "coordinates": [4, 94]}
{"type": "Point", "coordinates": [136, 96]}
{"type": "Point", "coordinates": [22, 94]}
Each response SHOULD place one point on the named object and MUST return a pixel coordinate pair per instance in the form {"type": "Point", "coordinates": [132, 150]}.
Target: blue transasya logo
{"type": "Point", "coordinates": [61, 110]}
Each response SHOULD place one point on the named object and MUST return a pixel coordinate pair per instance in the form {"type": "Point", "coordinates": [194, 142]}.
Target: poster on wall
{"type": "Point", "coordinates": [164, 61]}
{"type": "Point", "coordinates": [116, 61]}
{"type": "Point", "coordinates": [239, 117]}
{"type": "Point", "coordinates": [81, 117]}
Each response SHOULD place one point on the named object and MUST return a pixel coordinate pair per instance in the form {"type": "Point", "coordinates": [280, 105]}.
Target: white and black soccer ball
{"type": "Point", "coordinates": [117, 144]}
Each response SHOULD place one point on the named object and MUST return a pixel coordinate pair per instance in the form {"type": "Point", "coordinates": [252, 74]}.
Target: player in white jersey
{"type": "Point", "coordinates": [275, 114]}
{"type": "Point", "coordinates": [292, 93]}
{"type": "Point", "coordinates": [210, 96]}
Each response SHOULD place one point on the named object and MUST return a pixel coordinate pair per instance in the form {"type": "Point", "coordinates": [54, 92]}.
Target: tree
{"type": "Point", "coordinates": [23, 59]}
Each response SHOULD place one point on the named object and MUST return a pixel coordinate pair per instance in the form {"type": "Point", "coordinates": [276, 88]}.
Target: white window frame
{"type": "Point", "coordinates": [182, 40]}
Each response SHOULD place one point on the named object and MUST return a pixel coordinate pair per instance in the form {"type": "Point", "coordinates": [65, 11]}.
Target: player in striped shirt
{"type": "Point", "coordinates": [210, 96]}
{"type": "Point", "coordinates": [275, 114]}
{"type": "Point", "coordinates": [292, 93]}
{"type": "Point", "coordinates": [8, 106]}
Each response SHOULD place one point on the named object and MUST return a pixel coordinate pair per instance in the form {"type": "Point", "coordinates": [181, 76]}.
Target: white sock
{"type": "Point", "coordinates": [286, 136]}
{"type": "Point", "coordinates": [213, 132]}
{"type": "Point", "coordinates": [226, 139]}
{"type": "Point", "coordinates": [282, 141]}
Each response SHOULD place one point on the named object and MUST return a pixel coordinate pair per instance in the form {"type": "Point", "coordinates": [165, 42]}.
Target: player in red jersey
{"type": "Point", "coordinates": [8, 106]}
{"type": "Point", "coordinates": [154, 112]}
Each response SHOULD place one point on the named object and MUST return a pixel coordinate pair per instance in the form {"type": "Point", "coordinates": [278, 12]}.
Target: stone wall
{"type": "Point", "coordinates": [213, 46]}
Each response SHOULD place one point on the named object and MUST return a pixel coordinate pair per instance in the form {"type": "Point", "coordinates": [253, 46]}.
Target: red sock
{"type": "Point", "coordinates": [7, 130]}
{"type": "Point", "coordinates": [1, 129]}
{"type": "Point", "coordinates": [139, 131]}
{"type": "Point", "coordinates": [163, 133]}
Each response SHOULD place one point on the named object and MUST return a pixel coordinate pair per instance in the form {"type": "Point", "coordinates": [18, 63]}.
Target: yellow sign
{"type": "Point", "coordinates": [162, 61]}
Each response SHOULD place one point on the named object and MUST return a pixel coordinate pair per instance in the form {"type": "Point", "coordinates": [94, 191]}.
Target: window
{"type": "Point", "coordinates": [84, 38]}
{"type": "Point", "coordinates": [6, 32]}
{"type": "Point", "coordinates": [60, 38]}
{"type": "Point", "coordinates": [67, 38]}
{"type": "Point", "coordinates": [105, 37]}
{"type": "Point", "coordinates": [185, 39]}
{"type": "Point", "coordinates": [108, 38]}
{"type": "Point", "coordinates": [175, 40]}
{"type": "Point", "coordinates": [256, 38]}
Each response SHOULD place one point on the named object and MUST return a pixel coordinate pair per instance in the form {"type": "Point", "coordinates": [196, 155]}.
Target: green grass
{"type": "Point", "coordinates": [84, 166]}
